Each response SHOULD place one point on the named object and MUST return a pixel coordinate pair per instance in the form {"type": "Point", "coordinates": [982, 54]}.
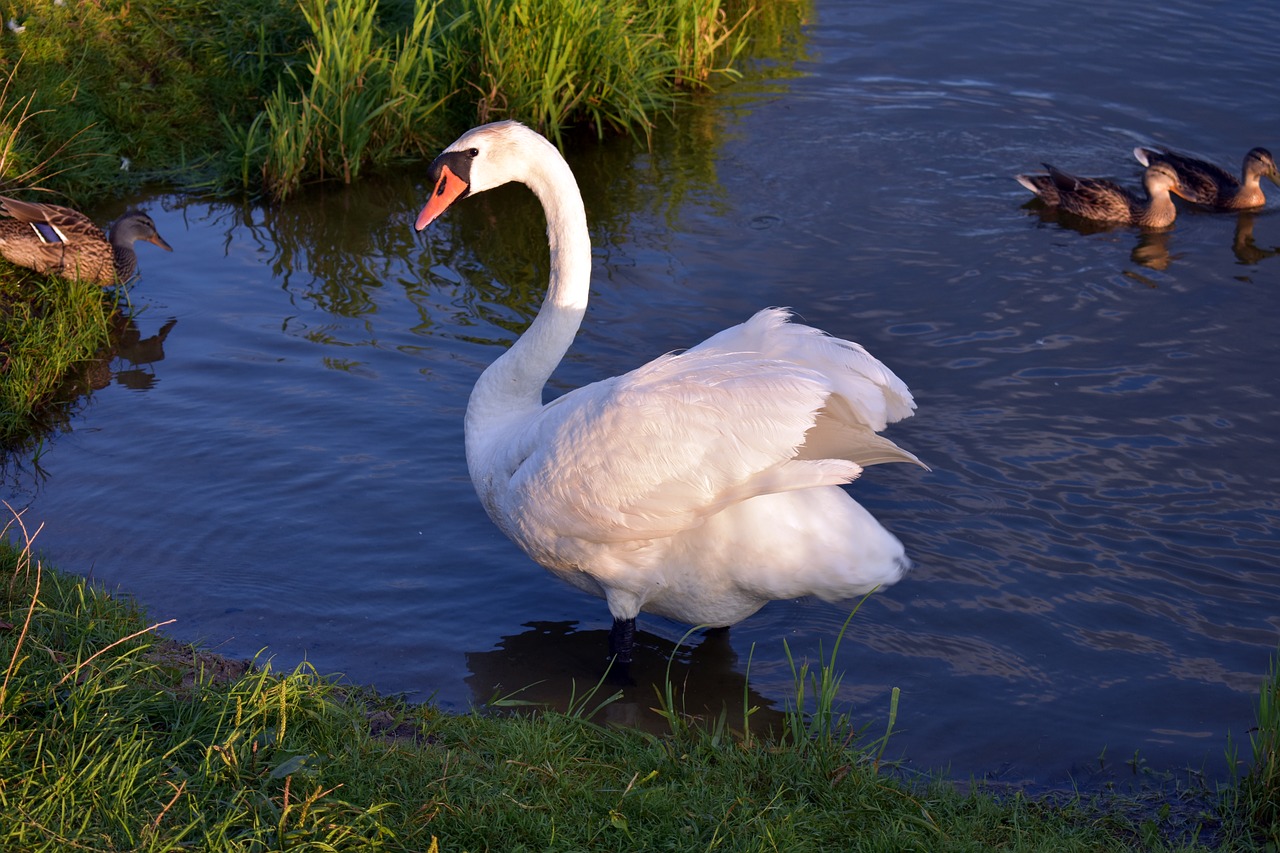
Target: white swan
{"type": "Point", "coordinates": [697, 487]}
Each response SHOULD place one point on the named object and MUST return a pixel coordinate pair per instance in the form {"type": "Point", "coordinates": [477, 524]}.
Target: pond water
{"type": "Point", "coordinates": [276, 461]}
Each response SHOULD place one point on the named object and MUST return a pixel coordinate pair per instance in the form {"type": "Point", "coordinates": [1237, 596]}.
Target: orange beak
{"type": "Point", "coordinates": [446, 192]}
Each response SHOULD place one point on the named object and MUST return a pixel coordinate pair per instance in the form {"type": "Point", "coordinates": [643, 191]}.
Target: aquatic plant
{"type": "Point", "coordinates": [613, 67]}
{"type": "Point", "coordinates": [360, 101]}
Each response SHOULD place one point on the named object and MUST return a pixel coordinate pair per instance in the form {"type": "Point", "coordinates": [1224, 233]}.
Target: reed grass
{"type": "Point", "coordinates": [360, 101]}
{"type": "Point", "coordinates": [614, 67]}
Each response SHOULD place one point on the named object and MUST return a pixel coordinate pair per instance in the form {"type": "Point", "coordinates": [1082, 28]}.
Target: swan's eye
{"type": "Point", "coordinates": [473, 153]}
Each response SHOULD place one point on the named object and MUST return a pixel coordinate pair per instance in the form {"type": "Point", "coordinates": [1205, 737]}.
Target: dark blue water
{"type": "Point", "coordinates": [1098, 568]}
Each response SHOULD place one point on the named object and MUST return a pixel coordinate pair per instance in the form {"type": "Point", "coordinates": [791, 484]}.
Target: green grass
{"type": "Point", "coordinates": [610, 66]}
{"type": "Point", "coordinates": [360, 99]}
{"type": "Point", "coordinates": [262, 96]}
{"type": "Point", "coordinates": [51, 330]}
{"type": "Point", "coordinates": [1260, 789]}
{"type": "Point", "coordinates": [113, 739]}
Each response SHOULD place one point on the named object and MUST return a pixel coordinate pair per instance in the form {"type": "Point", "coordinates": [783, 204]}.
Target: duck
{"type": "Point", "coordinates": [1107, 201]}
{"type": "Point", "coordinates": [697, 487]}
{"type": "Point", "coordinates": [56, 240]}
{"type": "Point", "coordinates": [1212, 186]}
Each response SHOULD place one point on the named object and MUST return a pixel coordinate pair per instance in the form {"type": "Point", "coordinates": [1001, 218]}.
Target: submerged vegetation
{"type": "Point", "coordinates": [264, 95]}
{"type": "Point", "coordinates": [113, 739]}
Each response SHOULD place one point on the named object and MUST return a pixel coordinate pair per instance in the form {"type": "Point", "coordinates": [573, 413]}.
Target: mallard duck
{"type": "Point", "coordinates": [51, 239]}
{"type": "Point", "coordinates": [1215, 187]}
{"type": "Point", "coordinates": [1107, 201]}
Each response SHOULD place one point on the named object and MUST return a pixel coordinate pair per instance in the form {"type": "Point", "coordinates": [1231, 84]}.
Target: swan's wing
{"type": "Point", "coordinates": [655, 451]}
{"type": "Point", "coordinates": [875, 396]}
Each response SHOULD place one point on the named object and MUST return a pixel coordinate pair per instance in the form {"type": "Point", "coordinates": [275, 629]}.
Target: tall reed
{"type": "Point", "coordinates": [617, 66]}
{"type": "Point", "coordinates": [551, 62]}
{"type": "Point", "coordinates": [362, 99]}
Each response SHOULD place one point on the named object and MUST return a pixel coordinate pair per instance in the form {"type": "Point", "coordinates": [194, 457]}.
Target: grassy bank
{"type": "Point", "coordinates": [264, 95]}
{"type": "Point", "coordinates": [50, 329]}
{"type": "Point", "coordinates": [112, 739]}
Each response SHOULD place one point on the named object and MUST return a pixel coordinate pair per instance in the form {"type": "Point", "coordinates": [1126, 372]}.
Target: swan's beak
{"type": "Point", "coordinates": [447, 190]}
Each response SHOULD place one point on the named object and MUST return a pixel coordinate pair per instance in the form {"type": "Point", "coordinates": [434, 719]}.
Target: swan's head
{"type": "Point", "coordinates": [481, 159]}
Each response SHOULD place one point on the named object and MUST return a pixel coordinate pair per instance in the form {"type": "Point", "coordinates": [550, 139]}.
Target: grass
{"type": "Point", "coordinates": [1259, 791]}
{"type": "Point", "coordinates": [51, 329]}
{"type": "Point", "coordinates": [114, 739]}
{"type": "Point", "coordinates": [262, 96]}
{"type": "Point", "coordinates": [360, 99]}
{"type": "Point", "coordinates": [612, 67]}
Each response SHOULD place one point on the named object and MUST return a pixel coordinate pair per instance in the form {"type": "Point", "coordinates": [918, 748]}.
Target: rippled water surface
{"type": "Point", "coordinates": [277, 462]}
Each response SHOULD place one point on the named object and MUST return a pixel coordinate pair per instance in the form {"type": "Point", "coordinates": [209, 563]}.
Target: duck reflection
{"type": "Point", "coordinates": [1246, 250]}
{"type": "Point", "coordinates": [544, 668]}
{"type": "Point", "coordinates": [1150, 251]}
{"type": "Point", "coordinates": [126, 357]}
{"type": "Point", "coordinates": [1152, 247]}
{"type": "Point", "coordinates": [137, 353]}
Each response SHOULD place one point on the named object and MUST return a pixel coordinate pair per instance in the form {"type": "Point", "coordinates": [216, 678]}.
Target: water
{"type": "Point", "coordinates": [1095, 544]}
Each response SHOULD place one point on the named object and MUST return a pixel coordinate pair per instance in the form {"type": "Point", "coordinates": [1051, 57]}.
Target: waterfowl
{"type": "Point", "coordinates": [1107, 201]}
{"type": "Point", "coordinates": [698, 486]}
{"type": "Point", "coordinates": [56, 240]}
{"type": "Point", "coordinates": [1212, 186]}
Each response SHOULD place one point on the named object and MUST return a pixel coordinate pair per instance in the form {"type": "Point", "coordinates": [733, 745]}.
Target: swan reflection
{"type": "Point", "coordinates": [549, 664]}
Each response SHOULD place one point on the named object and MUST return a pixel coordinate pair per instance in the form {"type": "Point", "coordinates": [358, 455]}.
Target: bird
{"type": "Point", "coordinates": [696, 487]}
{"type": "Point", "coordinates": [1209, 185]}
{"type": "Point", "coordinates": [1107, 201]}
{"type": "Point", "coordinates": [52, 239]}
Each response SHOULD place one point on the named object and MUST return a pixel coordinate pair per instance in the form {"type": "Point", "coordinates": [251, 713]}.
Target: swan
{"type": "Point", "coordinates": [697, 487]}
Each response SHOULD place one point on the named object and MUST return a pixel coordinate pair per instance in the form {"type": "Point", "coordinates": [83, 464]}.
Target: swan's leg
{"type": "Point", "coordinates": [622, 638]}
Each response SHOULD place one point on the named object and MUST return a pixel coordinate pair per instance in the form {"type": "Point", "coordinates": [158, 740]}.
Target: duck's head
{"type": "Point", "coordinates": [136, 225]}
{"type": "Point", "coordinates": [1160, 177]}
{"type": "Point", "coordinates": [1260, 162]}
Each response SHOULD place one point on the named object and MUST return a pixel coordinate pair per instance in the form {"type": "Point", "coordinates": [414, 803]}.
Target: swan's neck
{"type": "Point", "coordinates": [513, 384]}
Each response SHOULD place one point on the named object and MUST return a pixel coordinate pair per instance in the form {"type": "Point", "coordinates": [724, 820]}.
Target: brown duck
{"type": "Point", "coordinates": [1106, 201]}
{"type": "Point", "coordinates": [1212, 186]}
{"type": "Point", "coordinates": [56, 240]}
